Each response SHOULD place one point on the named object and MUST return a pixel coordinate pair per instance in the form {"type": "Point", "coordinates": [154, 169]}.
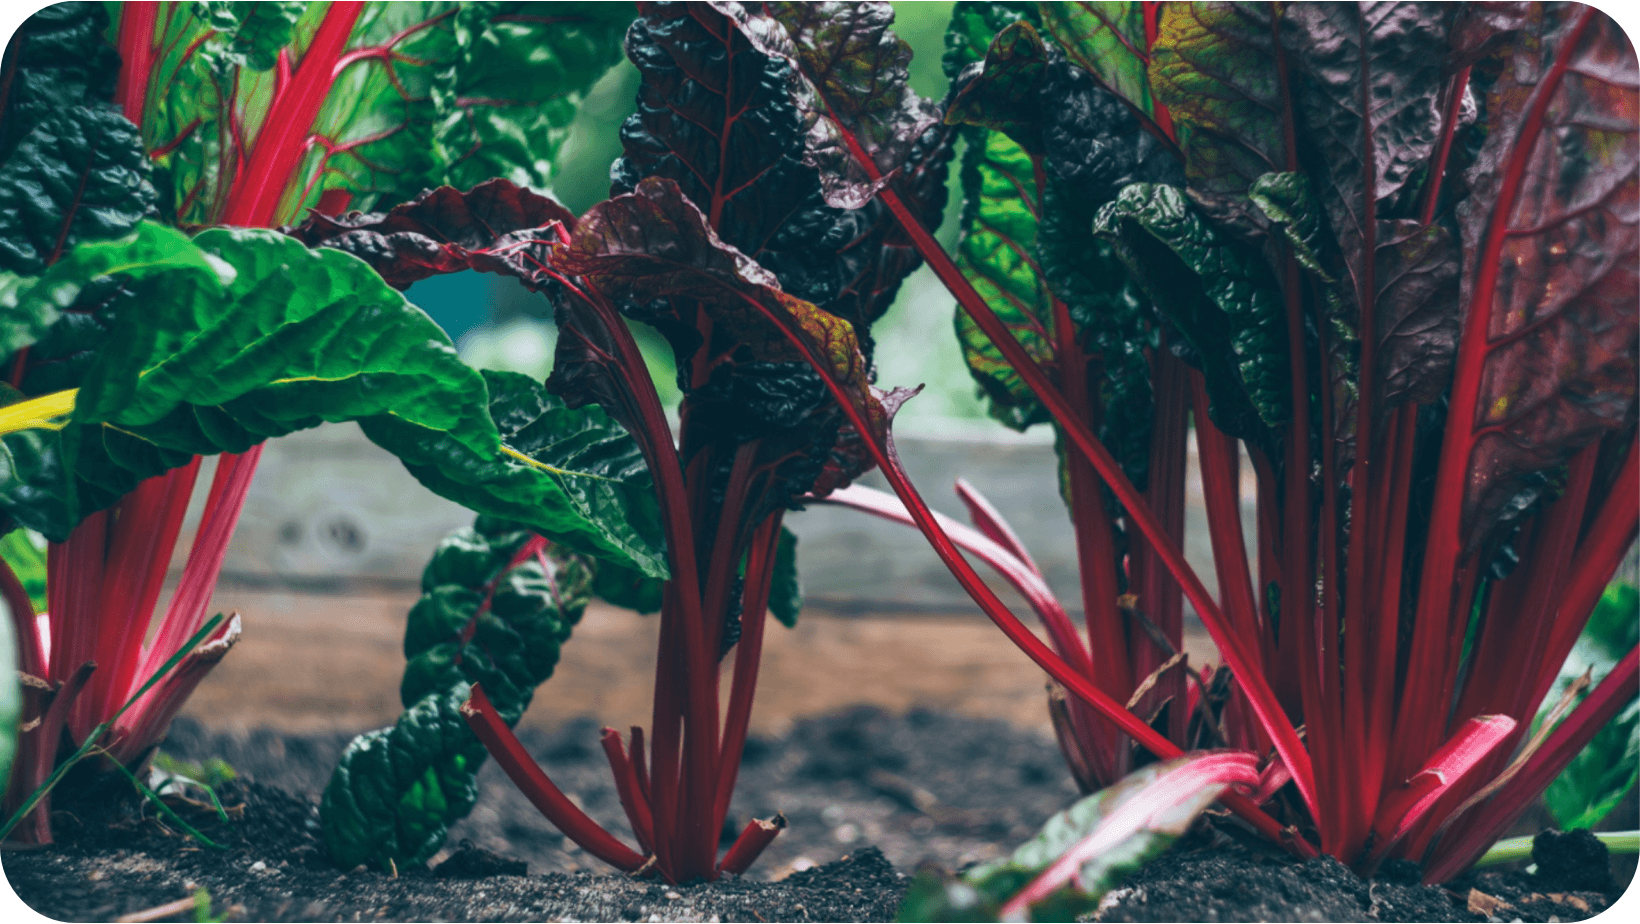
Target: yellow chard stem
{"type": "Point", "coordinates": [40, 413]}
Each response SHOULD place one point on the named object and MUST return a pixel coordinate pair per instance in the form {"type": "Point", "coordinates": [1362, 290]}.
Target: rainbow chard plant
{"type": "Point", "coordinates": [1390, 252]}
{"type": "Point", "coordinates": [132, 349]}
{"type": "Point", "coordinates": [719, 236]}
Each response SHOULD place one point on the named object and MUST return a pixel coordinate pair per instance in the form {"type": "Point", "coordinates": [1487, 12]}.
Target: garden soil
{"type": "Point", "coordinates": [938, 766]}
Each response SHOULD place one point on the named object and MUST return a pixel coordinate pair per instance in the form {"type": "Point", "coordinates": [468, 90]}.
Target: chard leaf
{"type": "Point", "coordinates": [1005, 93]}
{"type": "Point", "coordinates": [419, 95]}
{"type": "Point", "coordinates": [1598, 778]}
{"type": "Point", "coordinates": [24, 551]}
{"type": "Point", "coordinates": [254, 33]}
{"type": "Point", "coordinates": [786, 592]}
{"type": "Point", "coordinates": [589, 488]}
{"type": "Point", "coordinates": [848, 76]}
{"type": "Point", "coordinates": [505, 103]}
{"type": "Point", "coordinates": [1552, 329]}
{"type": "Point", "coordinates": [1417, 318]}
{"type": "Point", "coordinates": [1106, 39]}
{"type": "Point", "coordinates": [997, 252]}
{"type": "Point", "coordinates": [974, 23]}
{"type": "Point", "coordinates": [654, 249]}
{"type": "Point", "coordinates": [1215, 67]}
{"type": "Point", "coordinates": [57, 60]}
{"type": "Point", "coordinates": [78, 174]}
{"type": "Point", "coordinates": [1086, 850]}
{"type": "Point", "coordinates": [1223, 301]}
{"type": "Point", "coordinates": [396, 790]}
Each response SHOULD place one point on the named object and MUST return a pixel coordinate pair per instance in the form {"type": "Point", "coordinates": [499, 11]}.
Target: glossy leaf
{"type": "Point", "coordinates": [1552, 226]}
{"type": "Point", "coordinates": [848, 76]}
{"type": "Point", "coordinates": [254, 33]}
{"type": "Point", "coordinates": [1004, 92]}
{"type": "Point", "coordinates": [1604, 772]}
{"type": "Point", "coordinates": [1107, 39]}
{"type": "Point", "coordinates": [1215, 294]}
{"type": "Point", "coordinates": [58, 60]}
{"type": "Point", "coordinates": [973, 25]}
{"type": "Point", "coordinates": [484, 616]}
{"type": "Point", "coordinates": [1086, 850]}
{"type": "Point", "coordinates": [588, 487]}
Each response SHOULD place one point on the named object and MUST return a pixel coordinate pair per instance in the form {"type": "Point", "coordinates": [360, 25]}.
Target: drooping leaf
{"type": "Point", "coordinates": [1086, 850]}
{"type": "Point", "coordinates": [1107, 39]}
{"type": "Point", "coordinates": [1215, 294]}
{"type": "Point", "coordinates": [786, 592]}
{"type": "Point", "coordinates": [1548, 290]}
{"type": "Point", "coordinates": [495, 608]}
{"type": "Point", "coordinates": [627, 588]}
{"type": "Point", "coordinates": [653, 248]}
{"type": "Point", "coordinates": [589, 487]}
{"type": "Point", "coordinates": [1004, 93]}
{"type": "Point", "coordinates": [848, 75]}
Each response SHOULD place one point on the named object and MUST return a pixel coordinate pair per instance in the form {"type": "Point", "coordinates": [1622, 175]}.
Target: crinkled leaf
{"type": "Point", "coordinates": [974, 23]}
{"type": "Point", "coordinates": [653, 248]}
{"type": "Point", "coordinates": [254, 33]}
{"type": "Point", "coordinates": [488, 228]}
{"type": "Point", "coordinates": [1417, 314]}
{"type": "Point", "coordinates": [423, 94]}
{"type": "Point", "coordinates": [1551, 227]}
{"type": "Point", "coordinates": [56, 61]}
{"type": "Point", "coordinates": [1107, 39]}
{"type": "Point", "coordinates": [1004, 93]}
{"type": "Point", "coordinates": [786, 592]}
{"type": "Point", "coordinates": [1215, 68]}
{"type": "Point", "coordinates": [505, 103]}
{"type": "Point", "coordinates": [1086, 850]}
{"type": "Point", "coordinates": [395, 791]}
{"type": "Point", "coordinates": [589, 488]}
{"type": "Point", "coordinates": [1215, 294]}
{"type": "Point", "coordinates": [80, 174]}
{"type": "Point", "coordinates": [849, 78]}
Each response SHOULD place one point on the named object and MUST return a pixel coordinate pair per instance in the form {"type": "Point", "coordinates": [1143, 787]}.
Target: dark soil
{"type": "Point", "coordinates": [870, 797]}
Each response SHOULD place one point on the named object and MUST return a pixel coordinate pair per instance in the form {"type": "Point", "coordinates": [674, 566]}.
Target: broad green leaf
{"type": "Point", "coordinates": [584, 482]}
{"type": "Point", "coordinates": [1106, 39]}
{"type": "Point", "coordinates": [1006, 93]}
{"type": "Point", "coordinates": [484, 616]}
{"type": "Point", "coordinates": [786, 593]}
{"type": "Point", "coordinates": [57, 60]}
{"type": "Point", "coordinates": [627, 588]}
{"type": "Point", "coordinates": [1221, 298]}
{"type": "Point", "coordinates": [1086, 850]}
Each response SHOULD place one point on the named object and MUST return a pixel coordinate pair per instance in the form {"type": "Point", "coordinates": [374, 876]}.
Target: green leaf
{"type": "Point", "coordinates": [495, 611]}
{"type": "Point", "coordinates": [505, 103]}
{"type": "Point", "coordinates": [254, 33]}
{"type": "Point", "coordinates": [56, 61]}
{"type": "Point", "coordinates": [1606, 769]}
{"type": "Point", "coordinates": [627, 588]}
{"type": "Point", "coordinates": [1005, 94]}
{"type": "Point", "coordinates": [588, 486]}
{"type": "Point", "coordinates": [11, 694]}
{"type": "Point", "coordinates": [1220, 298]}
{"type": "Point", "coordinates": [79, 175]}
{"type": "Point", "coordinates": [1212, 66]}
{"type": "Point", "coordinates": [972, 27]}
{"type": "Point", "coordinates": [785, 592]}
{"type": "Point", "coordinates": [1106, 39]}
{"type": "Point", "coordinates": [997, 252]}
{"type": "Point", "coordinates": [1086, 850]}
{"type": "Point", "coordinates": [24, 551]}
